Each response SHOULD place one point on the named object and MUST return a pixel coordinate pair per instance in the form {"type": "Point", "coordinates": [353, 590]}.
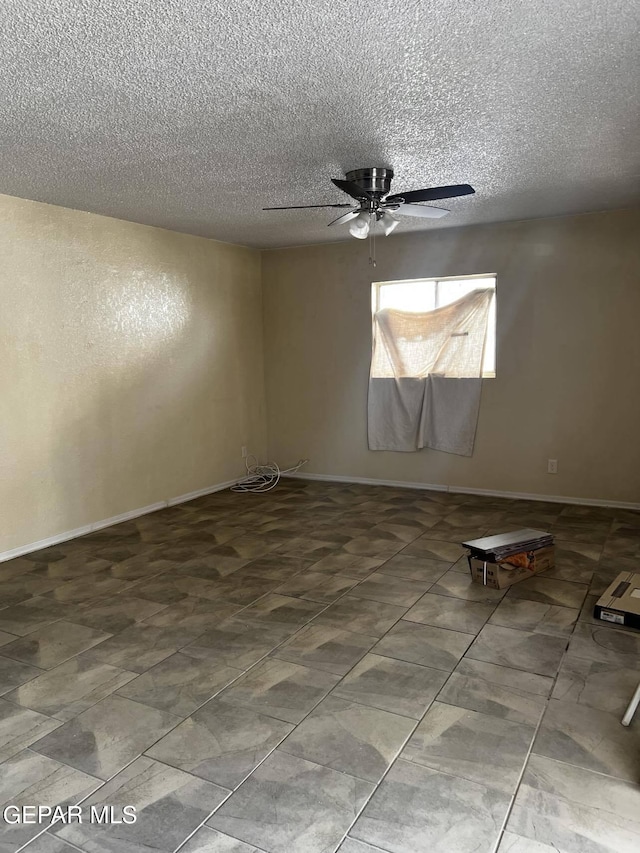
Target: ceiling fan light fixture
{"type": "Point", "coordinates": [389, 222]}
{"type": "Point", "coordinates": [360, 226]}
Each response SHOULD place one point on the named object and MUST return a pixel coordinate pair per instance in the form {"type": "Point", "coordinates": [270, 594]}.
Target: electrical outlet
{"type": "Point", "coordinates": [552, 466]}
{"type": "Point", "coordinates": [244, 453]}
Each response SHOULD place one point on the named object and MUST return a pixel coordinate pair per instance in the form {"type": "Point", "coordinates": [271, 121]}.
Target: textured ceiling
{"type": "Point", "coordinates": [194, 114]}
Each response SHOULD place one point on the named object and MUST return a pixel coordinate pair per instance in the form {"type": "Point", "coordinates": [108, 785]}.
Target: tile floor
{"type": "Point", "coordinates": [311, 670]}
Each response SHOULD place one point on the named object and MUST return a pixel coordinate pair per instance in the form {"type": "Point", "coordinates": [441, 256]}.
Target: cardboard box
{"type": "Point", "coordinates": [620, 603]}
{"type": "Point", "coordinates": [501, 575]}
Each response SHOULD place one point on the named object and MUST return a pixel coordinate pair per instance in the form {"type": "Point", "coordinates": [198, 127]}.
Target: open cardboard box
{"type": "Point", "coordinates": [501, 575]}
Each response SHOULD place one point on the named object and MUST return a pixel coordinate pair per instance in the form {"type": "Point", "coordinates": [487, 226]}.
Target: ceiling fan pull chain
{"type": "Point", "coordinates": [372, 241]}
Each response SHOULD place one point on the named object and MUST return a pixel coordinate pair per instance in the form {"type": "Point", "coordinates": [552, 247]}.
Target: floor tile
{"type": "Point", "coordinates": [169, 803]}
{"type": "Point", "coordinates": [308, 547]}
{"type": "Point", "coordinates": [574, 810]}
{"type": "Point", "coordinates": [574, 562]}
{"type": "Point", "coordinates": [179, 684]}
{"type": "Point", "coordinates": [443, 611]}
{"type": "Point", "coordinates": [14, 673]}
{"type": "Point", "coordinates": [535, 616]}
{"type": "Point", "coordinates": [396, 530]}
{"type": "Point", "coordinates": [417, 808]}
{"type": "Point", "coordinates": [391, 685]}
{"type": "Point", "coordinates": [15, 568]}
{"type": "Point", "coordinates": [415, 568]}
{"type": "Point", "coordinates": [116, 614]}
{"type": "Point", "coordinates": [102, 585]}
{"type": "Point", "coordinates": [23, 587]}
{"type": "Point", "coordinates": [374, 546]}
{"type": "Point", "coordinates": [391, 589]}
{"type": "Point", "coordinates": [141, 646]}
{"type": "Point", "coordinates": [507, 703]}
{"type": "Point", "coordinates": [280, 689]}
{"type": "Point", "coordinates": [221, 742]}
{"type": "Point", "coordinates": [461, 585]}
{"type": "Point", "coordinates": [350, 845]}
{"type": "Point", "coordinates": [20, 727]}
{"type": "Point", "coordinates": [282, 610]}
{"type": "Point", "coordinates": [452, 533]}
{"type": "Point", "coordinates": [317, 586]}
{"type": "Point", "coordinates": [549, 591]}
{"type": "Point", "coordinates": [141, 566]}
{"type": "Point", "coordinates": [247, 546]}
{"type": "Point", "coordinates": [435, 549]}
{"type": "Point", "coordinates": [290, 805]}
{"type": "Point", "coordinates": [504, 676]}
{"type": "Point", "coordinates": [276, 567]}
{"type": "Point", "coordinates": [71, 688]}
{"type": "Point", "coordinates": [234, 589]}
{"type": "Point", "coordinates": [604, 686]}
{"type": "Point", "coordinates": [205, 567]}
{"type": "Point", "coordinates": [603, 577]}
{"type": "Point", "coordinates": [512, 843]}
{"type": "Point", "coordinates": [361, 615]}
{"type": "Point", "coordinates": [348, 564]}
{"type": "Point", "coordinates": [349, 737]}
{"type": "Point", "coordinates": [47, 647]}
{"type": "Point", "coordinates": [105, 738]}
{"type": "Point", "coordinates": [474, 746]}
{"type": "Point", "coordinates": [34, 613]}
{"type": "Point", "coordinates": [164, 589]}
{"type": "Point", "coordinates": [325, 647]}
{"type": "Point", "coordinates": [47, 843]}
{"type": "Point", "coordinates": [586, 612]}
{"type": "Point", "coordinates": [608, 645]}
{"type": "Point", "coordinates": [539, 653]}
{"type": "Point", "coordinates": [238, 643]}
{"type": "Point", "coordinates": [193, 615]}
{"type": "Point", "coordinates": [624, 542]}
{"type": "Point", "coordinates": [207, 840]}
{"type": "Point", "coordinates": [570, 533]}
{"type": "Point", "coordinates": [6, 639]}
{"type": "Point", "coordinates": [611, 563]}
{"type": "Point", "coordinates": [589, 738]}
{"type": "Point", "coordinates": [28, 778]}
{"type": "Point", "coordinates": [435, 647]}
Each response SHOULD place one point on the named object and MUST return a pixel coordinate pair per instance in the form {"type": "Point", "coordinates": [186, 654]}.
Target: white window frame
{"type": "Point", "coordinates": [375, 300]}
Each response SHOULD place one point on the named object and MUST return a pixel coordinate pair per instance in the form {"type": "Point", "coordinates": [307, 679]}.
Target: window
{"type": "Point", "coordinates": [427, 294]}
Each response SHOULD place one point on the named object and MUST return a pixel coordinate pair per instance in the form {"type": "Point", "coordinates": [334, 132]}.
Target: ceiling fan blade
{"type": "Point", "coordinates": [351, 189]}
{"type": "Point", "coordinates": [433, 193]}
{"type": "Point", "coordinates": [305, 206]}
{"type": "Point", "coordinates": [346, 217]}
{"type": "Point", "coordinates": [418, 210]}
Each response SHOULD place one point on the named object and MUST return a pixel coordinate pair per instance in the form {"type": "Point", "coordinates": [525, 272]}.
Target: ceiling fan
{"type": "Point", "coordinates": [368, 187]}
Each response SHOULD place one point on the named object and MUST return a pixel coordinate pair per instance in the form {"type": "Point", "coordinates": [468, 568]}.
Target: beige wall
{"type": "Point", "coordinates": [567, 367]}
{"type": "Point", "coordinates": [131, 367]}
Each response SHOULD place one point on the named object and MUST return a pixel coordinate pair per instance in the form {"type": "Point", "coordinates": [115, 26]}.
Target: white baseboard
{"type": "Point", "coordinates": [200, 493]}
{"type": "Point", "coordinates": [107, 522]}
{"type": "Point", "coordinates": [366, 481]}
{"type": "Point", "coordinates": [463, 490]}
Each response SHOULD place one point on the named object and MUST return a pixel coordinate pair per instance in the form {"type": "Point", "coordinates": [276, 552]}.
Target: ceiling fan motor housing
{"type": "Point", "coordinates": [376, 180]}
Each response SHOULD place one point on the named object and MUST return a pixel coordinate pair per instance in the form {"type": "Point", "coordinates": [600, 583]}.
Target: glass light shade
{"type": "Point", "coordinates": [359, 227]}
{"type": "Point", "coordinates": [389, 222]}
